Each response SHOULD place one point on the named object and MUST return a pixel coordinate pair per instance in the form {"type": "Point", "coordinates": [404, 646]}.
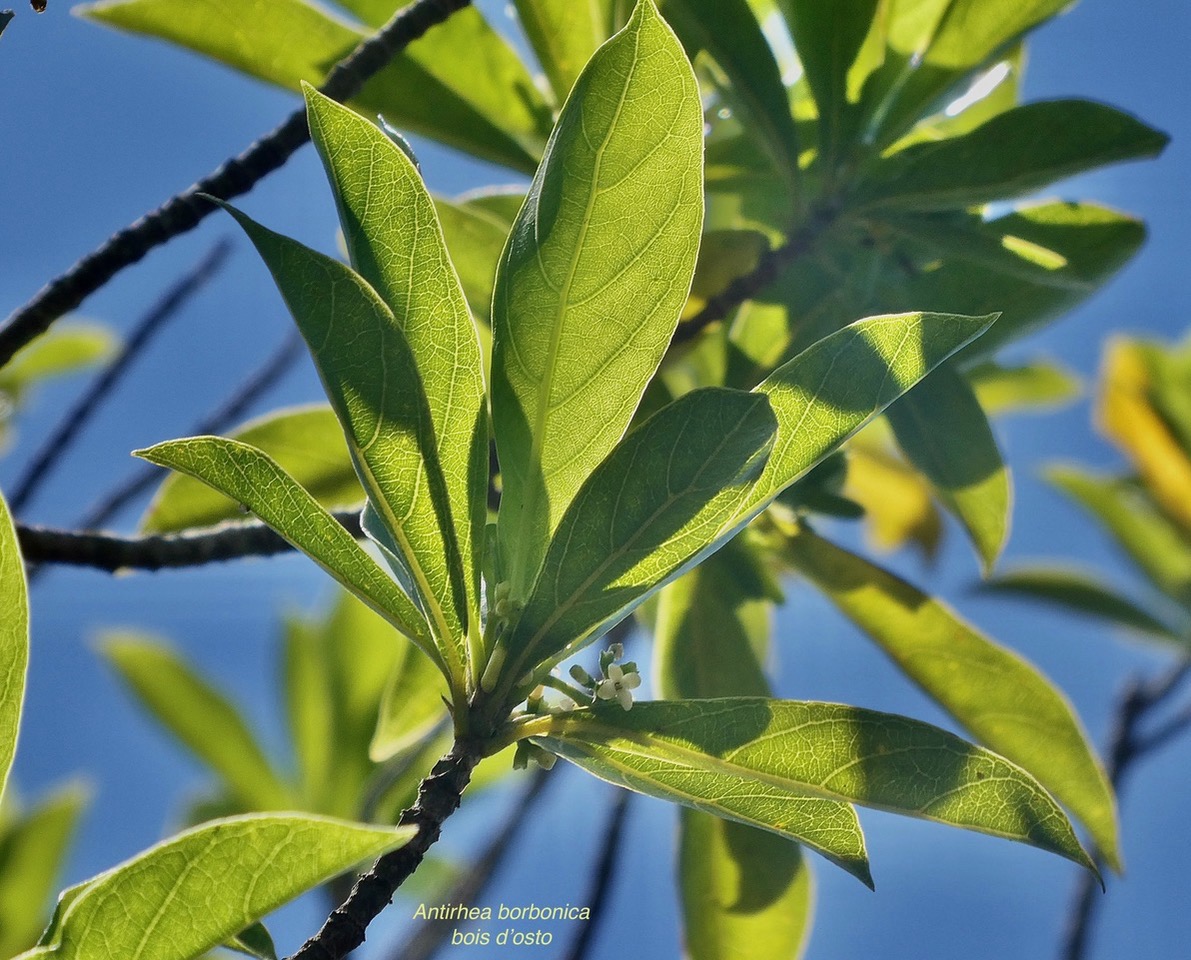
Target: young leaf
{"type": "Point", "coordinates": [162, 904]}
{"type": "Point", "coordinates": [941, 428]}
{"type": "Point", "coordinates": [746, 758]}
{"type": "Point", "coordinates": [646, 512]}
{"type": "Point", "coordinates": [1014, 153]}
{"type": "Point", "coordinates": [306, 442]}
{"type": "Point", "coordinates": [1084, 593]}
{"type": "Point", "coordinates": [426, 88]}
{"type": "Point", "coordinates": [14, 640]}
{"type": "Point", "coordinates": [374, 385]}
{"type": "Point", "coordinates": [197, 714]}
{"type": "Point", "coordinates": [995, 694]}
{"type": "Point", "coordinates": [32, 850]}
{"type": "Point", "coordinates": [593, 278]}
{"type": "Point", "coordinates": [397, 246]}
{"type": "Point", "coordinates": [238, 471]}
{"type": "Point", "coordinates": [1136, 525]}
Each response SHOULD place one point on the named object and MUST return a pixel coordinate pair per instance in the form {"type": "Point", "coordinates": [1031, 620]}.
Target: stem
{"type": "Point", "coordinates": [59, 442]}
{"type": "Point", "coordinates": [438, 797]}
{"type": "Point", "coordinates": [186, 210]}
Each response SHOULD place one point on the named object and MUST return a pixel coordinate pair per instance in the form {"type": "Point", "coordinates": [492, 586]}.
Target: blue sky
{"type": "Point", "coordinates": [99, 127]}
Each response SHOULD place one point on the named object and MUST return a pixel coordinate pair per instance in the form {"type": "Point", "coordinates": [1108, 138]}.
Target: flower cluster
{"type": "Point", "coordinates": [617, 680]}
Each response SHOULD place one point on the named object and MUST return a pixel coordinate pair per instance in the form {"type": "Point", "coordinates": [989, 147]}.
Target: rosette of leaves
{"type": "Point", "coordinates": [1144, 409]}
{"type": "Point", "coordinates": [853, 150]}
{"type": "Point", "coordinates": [613, 486]}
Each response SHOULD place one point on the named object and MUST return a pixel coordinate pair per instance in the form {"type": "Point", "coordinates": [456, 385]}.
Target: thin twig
{"type": "Point", "coordinates": [1127, 745]}
{"type": "Point", "coordinates": [167, 306]}
{"type": "Point", "coordinates": [429, 937]}
{"type": "Point", "coordinates": [192, 548]}
{"type": "Point", "coordinates": [611, 847]}
{"type": "Point", "coordinates": [438, 797]}
{"type": "Point", "coordinates": [184, 211]}
{"type": "Point", "coordinates": [768, 269]}
{"type": "Point", "coordinates": [259, 382]}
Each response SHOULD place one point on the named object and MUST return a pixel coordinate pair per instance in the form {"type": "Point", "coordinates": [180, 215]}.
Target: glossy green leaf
{"type": "Point", "coordinates": [396, 244]}
{"type": "Point", "coordinates": [374, 385]}
{"type": "Point", "coordinates": [426, 88]}
{"type": "Point", "coordinates": [1086, 594]}
{"type": "Point", "coordinates": [204, 720]}
{"type": "Point", "coordinates": [744, 894]}
{"type": "Point", "coordinates": [245, 474]}
{"type": "Point", "coordinates": [33, 848]}
{"type": "Point", "coordinates": [1014, 153]}
{"type": "Point", "coordinates": [745, 757]}
{"type": "Point", "coordinates": [829, 38]}
{"type": "Point", "coordinates": [306, 442]}
{"type": "Point", "coordinates": [564, 34]}
{"type": "Point", "coordinates": [588, 297]}
{"type": "Point", "coordinates": [729, 31]}
{"type": "Point", "coordinates": [655, 503]}
{"type": "Point", "coordinates": [14, 640]}
{"type": "Point", "coordinates": [942, 429]}
{"type": "Point", "coordinates": [741, 889]}
{"type": "Point", "coordinates": [827, 392]}
{"type": "Point", "coordinates": [1137, 526]}
{"type": "Point", "coordinates": [996, 695]}
{"type": "Point", "coordinates": [144, 909]}
{"type": "Point", "coordinates": [1031, 387]}
{"type": "Point", "coordinates": [66, 348]}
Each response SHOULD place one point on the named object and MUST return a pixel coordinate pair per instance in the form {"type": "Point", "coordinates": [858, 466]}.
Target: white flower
{"type": "Point", "coordinates": [618, 686]}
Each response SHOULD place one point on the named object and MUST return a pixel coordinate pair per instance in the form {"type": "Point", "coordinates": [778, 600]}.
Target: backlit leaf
{"type": "Point", "coordinates": [564, 34]}
{"type": "Point", "coordinates": [14, 640]}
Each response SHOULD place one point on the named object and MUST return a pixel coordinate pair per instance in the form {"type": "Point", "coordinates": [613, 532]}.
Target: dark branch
{"type": "Point", "coordinates": [429, 937]}
{"type": "Point", "coordinates": [1127, 745]}
{"type": "Point", "coordinates": [60, 441]}
{"type": "Point", "coordinates": [258, 383]}
{"type": "Point", "coordinates": [768, 269]}
{"type": "Point", "coordinates": [611, 845]}
{"type": "Point", "coordinates": [111, 552]}
{"type": "Point", "coordinates": [184, 211]}
{"type": "Point", "coordinates": [438, 797]}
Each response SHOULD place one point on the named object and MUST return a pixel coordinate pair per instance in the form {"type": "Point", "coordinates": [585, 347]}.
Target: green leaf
{"type": "Point", "coordinates": [1030, 387]}
{"type": "Point", "coordinates": [404, 258]}
{"type": "Point", "coordinates": [32, 850]}
{"type": "Point", "coordinates": [655, 503]}
{"type": "Point", "coordinates": [306, 442]}
{"type": "Point", "coordinates": [410, 708]}
{"type": "Point", "coordinates": [593, 278]}
{"type": "Point", "coordinates": [743, 893]}
{"type": "Point", "coordinates": [144, 909]}
{"type": "Point", "coordinates": [309, 712]}
{"type": "Point", "coordinates": [475, 237]}
{"type": "Point", "coordinates": [66, 348]}
{"type": "Point", "coordinates": [996, 695]}
{"type": "Point", "coordinates": [374, 385]}
{"type": "Point", "coordinates": [745, 758]}
{"type": "Point", "coordinates": [942, 429]}
{"type": "Point", "coordinates": [1014, 153]}
{"type": "Point", "coordinates": [827, 392]}
{"type": "Point", "coordinates": [205, 721]}
{"type": "Point", "coordinates": [249, 476]}
{"type": "Point", "coordinates": [829, 38]}
{"type": "Point", "coordinates": [427, 88]}
{"type": "Point", "coordinates": [564, 34]}
{"type": "Point", "coordinates": [254, 941]}
{"type": "Point", "coordinates": [1085, 594]}
{"type": "Point", "coordinates": [1136, 525]}
{"type": "Point", "coordinates": [14, 640]}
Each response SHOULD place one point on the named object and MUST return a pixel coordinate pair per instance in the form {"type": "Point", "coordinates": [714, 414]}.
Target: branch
{"type": "Point", "coordinates": [438, 797]}
{"type": "Point", "coordinates": [193, 548]}
{"type": "Point", "coordinates": [184, 211]}
{"type": "Point", "coordinates": [260, 381]}
{"type": "Point", "coordinates": [768, 269]}
{"type": "Point", "coordinates": [601, 884]}
{"type": "Point", "coordinates": [1126, 746]}
{"type": "Point", "coordinates": [424, 943]}
{"type": "Point", "coordinates": [59, 442]}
